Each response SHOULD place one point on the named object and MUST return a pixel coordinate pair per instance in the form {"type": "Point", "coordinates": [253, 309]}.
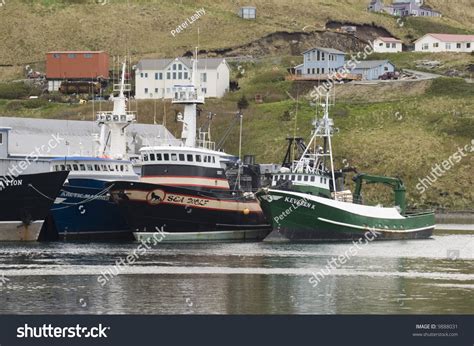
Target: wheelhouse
{"type": "Point", "coordinates": [93, 167]}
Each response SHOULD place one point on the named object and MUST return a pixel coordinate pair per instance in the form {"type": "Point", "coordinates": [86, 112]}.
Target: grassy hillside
{"type": "Point", "coordinates": [142, 28]}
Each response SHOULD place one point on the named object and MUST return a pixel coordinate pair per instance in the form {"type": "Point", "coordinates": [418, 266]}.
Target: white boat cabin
{"type": "Point", "coordinates": [95, 168]}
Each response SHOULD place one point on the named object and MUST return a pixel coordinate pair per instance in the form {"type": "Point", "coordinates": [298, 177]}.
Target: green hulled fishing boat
{"type": "Point", "coordinates": [307, 200]}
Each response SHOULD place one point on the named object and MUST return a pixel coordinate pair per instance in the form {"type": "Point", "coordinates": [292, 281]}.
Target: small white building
{"type": "Point", "coordinates": [445, 43]}
{"type": "Point", "coordinates": [248, 12]}
{"type": "Point", "coordinates": [155, 78]}
{"type": "Point", "coordinates": [373, 69]}
{"type": "Point", "coordinates": [387, 45]}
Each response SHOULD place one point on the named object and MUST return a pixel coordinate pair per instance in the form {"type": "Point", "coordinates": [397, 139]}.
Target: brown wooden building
{"type": "Point", "coordinates": [75, 66]}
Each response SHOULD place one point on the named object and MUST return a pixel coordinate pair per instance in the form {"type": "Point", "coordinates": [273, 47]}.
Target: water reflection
{"type": "Point", "coordinates": [385, 277]}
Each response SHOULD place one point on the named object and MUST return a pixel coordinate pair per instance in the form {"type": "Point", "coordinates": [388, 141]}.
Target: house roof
{"type": "Point", "coordinates": [450, 37]}
{"type": "Point", "coordinates": [161, 64]}
{"type": "Point", "coordinates": [368, 64]}
{"type": "Point", "coordinates": [389, 39]}
{"type": "Point", "coordinates": [326, 50]}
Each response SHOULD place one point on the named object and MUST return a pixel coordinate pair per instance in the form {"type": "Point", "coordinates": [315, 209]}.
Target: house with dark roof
{"type": "Point", "coordinates": [404, 8]}
{"type": "Point", "coordinates": [387, 45]}
{"type": "Point", "coordinates": [375, 6]}
{"type": "Point", "coordinates": [415, 8]}
{"type": "Point", "coordinates": [445, 43]}
{"type": "Point", "coordinates": [155, 78]}
{"type": "Point", "coordinates": [373, 69]}
{"type": "Point", "coordinates": [320, 61]}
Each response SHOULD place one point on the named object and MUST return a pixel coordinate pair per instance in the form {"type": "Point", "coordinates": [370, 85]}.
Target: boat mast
{"type": "Point", "coordinates": [328, 126]}
{"type": "Point", "coordinates": [190, 96]}
{"type": "Point", "coordinates": [116, 122]}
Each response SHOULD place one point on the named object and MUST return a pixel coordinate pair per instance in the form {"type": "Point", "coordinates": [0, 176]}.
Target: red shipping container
{"type": "Point", "coordinates": [77, 65]}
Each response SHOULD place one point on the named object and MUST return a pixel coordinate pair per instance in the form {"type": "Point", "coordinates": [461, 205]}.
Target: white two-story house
{"type": "Point", "coordinates": [155, 78]}
{"type": "Point", "coordinates": [445, 43]}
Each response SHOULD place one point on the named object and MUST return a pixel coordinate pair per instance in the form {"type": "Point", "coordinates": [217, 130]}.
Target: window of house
{"type": "Point", "coordinates": [468, 45]}
{"type": "Point", "coordinates": [141, 75]}
{"type": "Point", "coordinates": [204, 158]}
{"type": "Point", "coordinates": [189, 157]}
{"type": "Point", "coordinates": [174, 67]}
{"type": "Point", "coordinates": [56, 55]}
{"type": "Point", "coordinates": [322, 70]}
{"type": "Point", "coordinates": [458, 45]}
{"type": "Point", "coordinates": [146, 74]}
{"type": "Point", "coordinates": [213, 159]}
{"type": "Point", "coordinates": [168, 75]}
{"type": "Point", "coordinates": [166, 157]}
{"type": "Point", "coordinates": [292, 177]}
{"type": "Point", "coordinates": [312, 70]}
{"type": "Point", "coordinates": [156, 90]}
{"type": "Point", "coordinates": [88, 55]}
{"type": "Point", "coordinates": [318, 55]}
{"type": "Point", "coordinates": [322, 56]}
{"type": "Point", "coordinates": [448, 45]}
{"type": "Point", "coordinates": [204, 90]}
{"type": "Point", "coordinates": [180, 67]}
{"type": "Point", "coordinates": [185, 75]}
{"type": "Point", "coordinates": [387, 45]}
{"type": "Point", "coordinates": [204, 77]}
{"type": "Point", "coordinates": [156, 75]}
{"type": "Point", "coordinates": [424, 46]}
{"type": "Point", "coordinates": [71, 55]}
{"type": "Point", "coordinates": [309, 71]}
{"type": "Point", "coordinates": [174, 75]}
{"type": "Point", "coordinates": [436, 45]}
{"type": "Point", "coordinates": [380, 44]}
{"type": "Point", "coordinates": [394, 45]}
{"type": "Point", "coordinates": [180, 75]}
{"type": "Point", "coordinates": [317, 70]}
{"type": "Point", "coordinates": [146, 90]}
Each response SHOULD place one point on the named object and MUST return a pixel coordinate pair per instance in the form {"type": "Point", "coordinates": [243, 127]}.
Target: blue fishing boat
{"type": "Point", "coordinates": [82, 209]}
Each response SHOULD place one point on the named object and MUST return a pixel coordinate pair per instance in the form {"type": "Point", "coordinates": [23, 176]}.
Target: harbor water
{"type": "Point", "coordinates": [433, 276]}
